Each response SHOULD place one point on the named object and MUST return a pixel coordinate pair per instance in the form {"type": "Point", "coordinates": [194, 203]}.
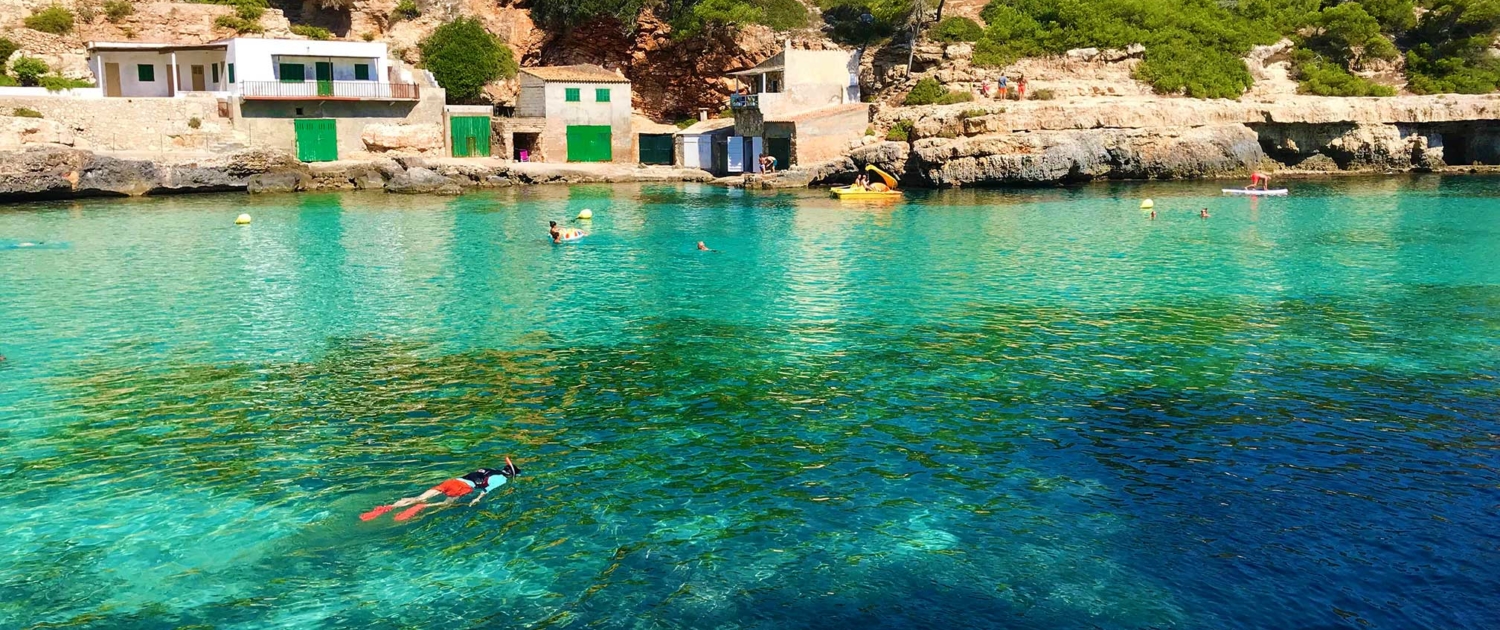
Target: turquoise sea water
{"type": "Point", "coordinates": [1026, 409]}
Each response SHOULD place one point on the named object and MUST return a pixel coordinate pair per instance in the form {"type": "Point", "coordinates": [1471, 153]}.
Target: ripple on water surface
{"type": "Point", "coordinates": [1033, 409]}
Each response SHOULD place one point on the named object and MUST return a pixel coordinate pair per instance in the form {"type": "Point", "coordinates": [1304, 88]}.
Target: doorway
{"type": "Point", "coordinates": [199, 83]}
{"type": "Point", "coordinates": [526, 147]}
{"type": "Point", "coordinates": [323, 71]}
{"type": "Point", "coordinates": [112, 79]}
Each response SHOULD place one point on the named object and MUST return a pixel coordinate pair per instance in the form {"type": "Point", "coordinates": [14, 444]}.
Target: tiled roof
{"type": "Point", "coordinates": [582, 73]}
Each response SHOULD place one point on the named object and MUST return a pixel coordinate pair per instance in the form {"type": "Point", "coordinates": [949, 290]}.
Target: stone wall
{"type": "Point", "coordinates": [827, 134]}
{"type": "Point", "coordinates": [272, 124]}
{"type": "Point", "coordinates": [134, 124]}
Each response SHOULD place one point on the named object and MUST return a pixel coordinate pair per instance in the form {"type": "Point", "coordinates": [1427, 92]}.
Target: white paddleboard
{"type": "Point", "coordinates": [1275, 192]}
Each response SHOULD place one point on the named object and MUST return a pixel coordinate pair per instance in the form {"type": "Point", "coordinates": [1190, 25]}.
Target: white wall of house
{"type": "Point", "coordinates": [812, 80]}
{"type": "Point", "coordinates": [206, 58]}
{"type": "Point", "coordinates": [130, 83]}
{"type": "Point", "coordinates": [254, 59]}
{"type": "Point", "coordinates": [588, 110]}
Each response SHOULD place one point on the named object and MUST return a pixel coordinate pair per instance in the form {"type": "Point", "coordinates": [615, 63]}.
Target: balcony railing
{"type": "Point", "coordinates": [744, 101]}
{"type": "Point", "coordinates": [330, 90]}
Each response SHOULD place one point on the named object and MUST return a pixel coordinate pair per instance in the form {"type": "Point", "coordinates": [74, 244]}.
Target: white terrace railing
{"type": "Point", "coordinates": [330, 90]}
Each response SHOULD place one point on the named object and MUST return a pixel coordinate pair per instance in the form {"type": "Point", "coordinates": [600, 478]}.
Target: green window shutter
{"type": "Point", "coordinates": [293, 73]}
{"type": "Point", "coordinates": [231, 73]}
{"type": "Point", "coordinates": [571, 95]}
{"type": "Point", "coordinates": [601, 95]}
{"type": "Point", "coordinates": [361, 72]}
{"type": "Point", "coordinates": [215, 72]}
{"type": "Point", "coordinates": [145, 72]}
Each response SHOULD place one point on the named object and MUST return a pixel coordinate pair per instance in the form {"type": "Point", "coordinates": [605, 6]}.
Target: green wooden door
{"type": "Point", "coordinates": [317, 140]}
{"type": "Point", "coordinates": [324, 72]}
{"type": "Point", "coordinates": [781, 149]}
{"type": "Point", "coordinates": [471, 136]}
{"type": "Point", "coordinates": [589, 143]}
{"type": "Point", "coordinates": [656, 148]}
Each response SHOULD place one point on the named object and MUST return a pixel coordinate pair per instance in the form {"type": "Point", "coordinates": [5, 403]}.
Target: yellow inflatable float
{"type": "Point", "coordinates": [876, 190]}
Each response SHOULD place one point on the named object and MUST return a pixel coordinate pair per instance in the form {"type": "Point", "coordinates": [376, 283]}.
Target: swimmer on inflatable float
{"type": "Point", "coordinates": [560, 234]}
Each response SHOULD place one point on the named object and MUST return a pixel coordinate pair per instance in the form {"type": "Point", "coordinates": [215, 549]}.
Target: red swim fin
{"type": "Point", "coordinates": [410, 512]}
{"type": "Point", "coordinates": [375, 513]}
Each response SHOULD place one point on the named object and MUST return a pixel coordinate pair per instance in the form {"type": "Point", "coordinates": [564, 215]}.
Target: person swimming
{"type": "Point", "coordinates": [703, 248]}
{"type": "Point", "coordinates": [560, 234]}
{"type": "Point", "coordinates": [483, 480]}
{"type": "Point", "coordinates": [1203, 214]}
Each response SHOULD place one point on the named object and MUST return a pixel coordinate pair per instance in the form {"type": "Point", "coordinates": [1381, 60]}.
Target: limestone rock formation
{"type": "Point", "coordinates": [420, 180]}
{"type": "Point", "coordinates": [1071, 156]}
{"type": "Point", "coordinates": [16, 131]}
{"type": "Point", "coordinates": [402, 138]}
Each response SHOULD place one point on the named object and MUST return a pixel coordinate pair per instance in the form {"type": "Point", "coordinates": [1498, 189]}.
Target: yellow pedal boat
{"type": "Point", "coordinates": [876, 191]}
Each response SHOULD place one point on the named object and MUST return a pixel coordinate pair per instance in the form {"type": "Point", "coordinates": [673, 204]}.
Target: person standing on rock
{"type": "Point", "coordinates": [1021, 88]}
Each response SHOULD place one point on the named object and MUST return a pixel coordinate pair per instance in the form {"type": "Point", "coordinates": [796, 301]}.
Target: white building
{"type": "Point", "coordinates": [799, 106]}
{"type": "Point", "coordinates": [313, 97]}
{"type": "Point", "coordinates": [575, 113]}
{"type": "Point", "coordinates": [251, 67]}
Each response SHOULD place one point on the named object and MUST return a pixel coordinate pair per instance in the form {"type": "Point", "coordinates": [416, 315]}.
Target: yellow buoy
{"type": "Point", "coordinates": [586, 214]}
{"type": "Point", "coordinates": [1147, 204]}
{"type": "Point", "coordinates": [243, 219]}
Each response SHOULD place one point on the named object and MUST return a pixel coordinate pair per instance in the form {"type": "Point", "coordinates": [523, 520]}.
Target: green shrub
{"type": "Point", "coordinates": [1316, 75]}
{"type": "Point", "coordinates": [1199, 73]}
{"type": "Point", "coordinates": [368, 36]}
{"type": "Point", "coordinates": [85, 12]}
{"type": "Point", "coordinates": [7, 48]}
{"type": "Point", "coordinates": [29, 70]}
{"type": "Point", "coordinates": [957, 29]}
{"type": "Point", "coordinates": [311, 32]}
{"type": "Point", "coordinates": [405, 10]}
{"type": "Point", "coordinates": [54, 19]}
{"type": "Point", "coordinates": [781, 15]}
{"type": "Point", "coordinates": [8, 81]}
{"type": "Point", "coordinates": [844, 19]}
{"type": "Point", "coordinates": [238, 24]}
{"type": "Point", "coordinates": [57, 84]}
{"type": "Point", "coordinates": [26, 112]}
{"type": "Point", "coordinates": [1451, 48]}
{"type": "Point", "coordinates": [900, 132]}
{"type": "Point", "coordinates": [954, 97]}
{"type": "Point", "coordinates": [1043, 94]}
{"type": "Point", "coordinates": [1192, 46]}
{"type": "Point", "coordinates": [926, 92]}
{"type": "Point", "coordinates": [249, 11]}
{"type": "Point", "coordinates": [116, 10]}
{"type": "Point", "coordinates": [195, 122]}
{"type": "Point", "coordinates": [976, 113]}
{"type": "Point", "coordinates": [464, 57]}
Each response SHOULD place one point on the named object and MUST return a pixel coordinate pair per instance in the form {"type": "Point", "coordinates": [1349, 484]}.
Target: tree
{"type": "Point", "coordinates": [464, 58]}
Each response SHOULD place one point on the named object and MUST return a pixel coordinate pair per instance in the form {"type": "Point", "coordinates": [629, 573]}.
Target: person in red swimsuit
{"type": "Point", "coordinates": [1261, 179]}
{"type": "Point", "coordinates": [484, 480]}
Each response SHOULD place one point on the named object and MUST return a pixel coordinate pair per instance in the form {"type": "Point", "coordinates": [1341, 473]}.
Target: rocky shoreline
{"type": "Point", "coordinates": [1059, 142]}
{"type": "Point", "coordinates": [41, 172]}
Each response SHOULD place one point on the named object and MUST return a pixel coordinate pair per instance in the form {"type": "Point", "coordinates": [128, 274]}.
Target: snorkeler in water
{"type": "Point", "coordinates": [484, 480]}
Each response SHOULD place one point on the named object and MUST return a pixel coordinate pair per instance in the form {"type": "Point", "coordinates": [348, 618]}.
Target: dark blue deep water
{"type": "Point", "coordinates": [1035, 409]}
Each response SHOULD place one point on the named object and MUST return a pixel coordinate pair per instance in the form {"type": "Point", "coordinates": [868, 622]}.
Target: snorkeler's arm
{"type": "Point", "coordinates": [476, 499]}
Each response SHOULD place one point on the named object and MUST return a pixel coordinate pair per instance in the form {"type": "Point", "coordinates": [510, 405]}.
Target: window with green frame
{"type": "Point", "coordinates": [601, 95]}
{"type": "Point", "coordinates": [361, 72]}
{"type": "Point", "coordinates": [571, 95]}
{"type": "Point", "coordinates": [145, 72]}
{"type": "Point", "coordinates": [231, 73]}
{"type": "Point", "coordinates": [293, 73]}
{"type": "Point", "coordinates": [215, 72]}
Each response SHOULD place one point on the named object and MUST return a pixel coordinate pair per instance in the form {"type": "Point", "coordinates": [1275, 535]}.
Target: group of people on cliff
{"type": "Point", "coordinates": [1000, 89]}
